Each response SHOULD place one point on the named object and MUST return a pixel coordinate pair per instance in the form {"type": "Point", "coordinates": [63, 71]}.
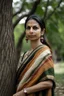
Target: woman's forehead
{"type": "Point", "coordinates": [32, 22]}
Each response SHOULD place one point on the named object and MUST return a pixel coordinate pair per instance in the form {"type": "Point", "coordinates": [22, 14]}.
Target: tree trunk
{"type": "Point", "coordinates": [7, 50]}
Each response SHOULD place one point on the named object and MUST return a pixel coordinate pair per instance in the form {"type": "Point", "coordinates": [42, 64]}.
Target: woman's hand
{"type": "Point", "coordinates": [20, 93]}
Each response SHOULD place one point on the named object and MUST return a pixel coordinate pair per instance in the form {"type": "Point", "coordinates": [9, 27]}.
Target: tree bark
{"type": "Point", "coordinates": [7, 50]}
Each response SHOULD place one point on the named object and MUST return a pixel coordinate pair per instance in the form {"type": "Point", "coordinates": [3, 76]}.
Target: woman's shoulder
{"type": "Point", "coordinates": [46, 49]}
{"type": "Point", "coordinates": [20, 59]}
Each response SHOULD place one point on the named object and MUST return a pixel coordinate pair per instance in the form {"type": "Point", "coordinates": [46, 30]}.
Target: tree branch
{"type": "Point", "coordinates": [25, 15]}
{"type": "Point", "coordinates": [20, 44]}
{"type": "Point", "coordinates": [36, 3]}
{"type": "Point", "coordinates": [17, 21]}
{"type": "Point", "coordinates": [20, 9]}
{"type": "Point", "coordinates": [53, 10]}
{"type": "Point", "coordinates": [46, 9]}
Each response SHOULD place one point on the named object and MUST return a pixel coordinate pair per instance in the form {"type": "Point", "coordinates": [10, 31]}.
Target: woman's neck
{"type": "Point", "coordinates": [35, 44]}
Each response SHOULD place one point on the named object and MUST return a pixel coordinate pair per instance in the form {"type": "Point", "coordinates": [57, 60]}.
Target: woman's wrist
{"type": "Point", "coordinates": [25, 91]}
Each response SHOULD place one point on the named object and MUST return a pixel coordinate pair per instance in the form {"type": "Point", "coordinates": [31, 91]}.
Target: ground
{"type": "Point", "coordinates": [59, 78]}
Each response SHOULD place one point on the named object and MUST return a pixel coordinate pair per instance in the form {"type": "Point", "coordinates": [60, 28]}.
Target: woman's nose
{"type": "Point", "coordinates": [31, 30]}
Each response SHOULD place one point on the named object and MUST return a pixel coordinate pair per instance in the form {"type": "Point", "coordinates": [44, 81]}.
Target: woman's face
{"type": "Point", "coordinates": [33, 30]}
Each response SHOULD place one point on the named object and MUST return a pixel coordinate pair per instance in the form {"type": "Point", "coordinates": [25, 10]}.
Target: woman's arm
{"type": "Point", "coordinates": [38, 87]}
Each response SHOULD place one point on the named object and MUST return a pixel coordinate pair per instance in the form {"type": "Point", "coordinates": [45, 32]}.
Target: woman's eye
{"type": "Point", "coordinates": [35, 27]}
{"type": "Point", "coordinates": [28, 27]}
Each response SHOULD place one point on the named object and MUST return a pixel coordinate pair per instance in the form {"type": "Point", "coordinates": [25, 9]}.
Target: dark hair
{"type": "Point", "coordinates": [38, 19]}
{"type": "Point", "coordinates": [42, 25]}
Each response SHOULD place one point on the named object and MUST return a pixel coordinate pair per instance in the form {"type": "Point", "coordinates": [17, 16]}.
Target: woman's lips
{"type": "Point", "coordinates": [32, 36]}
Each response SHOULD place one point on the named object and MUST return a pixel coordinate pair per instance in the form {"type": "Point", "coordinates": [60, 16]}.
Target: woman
{"type": "Point", "coordinates": [36, 72]}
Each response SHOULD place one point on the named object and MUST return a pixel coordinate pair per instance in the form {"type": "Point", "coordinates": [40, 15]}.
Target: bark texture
{"type": "Point", "coordinates": [7, 50]}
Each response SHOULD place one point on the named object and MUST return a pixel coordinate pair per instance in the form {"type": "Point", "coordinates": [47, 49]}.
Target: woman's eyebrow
{"type": "Point", "coordinates": [33, 25]}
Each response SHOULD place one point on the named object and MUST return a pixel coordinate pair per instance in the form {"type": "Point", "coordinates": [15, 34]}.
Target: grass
{"type": "Point", "coordinates": [59, 72]}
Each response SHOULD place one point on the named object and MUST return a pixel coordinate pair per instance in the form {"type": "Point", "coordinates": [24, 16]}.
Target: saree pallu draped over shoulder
{"type": "Point", "coordinates": [35, 68]}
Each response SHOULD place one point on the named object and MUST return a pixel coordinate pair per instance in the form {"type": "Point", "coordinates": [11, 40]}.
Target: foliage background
{"type": "Point", "coordinates": [52, 11]}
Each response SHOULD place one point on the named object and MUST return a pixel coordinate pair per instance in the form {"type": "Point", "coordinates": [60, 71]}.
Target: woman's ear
{"type": "Point", "coordinates": [43, 31]}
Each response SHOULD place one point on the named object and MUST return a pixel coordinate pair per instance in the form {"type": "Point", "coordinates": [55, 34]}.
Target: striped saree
{"type": "Point", "coordinates": [35, 68]}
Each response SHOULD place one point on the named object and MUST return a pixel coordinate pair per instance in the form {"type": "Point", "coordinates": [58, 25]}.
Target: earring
{"type": "Point", "coordinates": [26, 39]}
{"type": "Point", "coordinates": [41, 38]}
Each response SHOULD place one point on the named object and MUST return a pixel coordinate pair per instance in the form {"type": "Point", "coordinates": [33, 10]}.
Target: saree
{"type": "Point", "coordinates": [37, 67]}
